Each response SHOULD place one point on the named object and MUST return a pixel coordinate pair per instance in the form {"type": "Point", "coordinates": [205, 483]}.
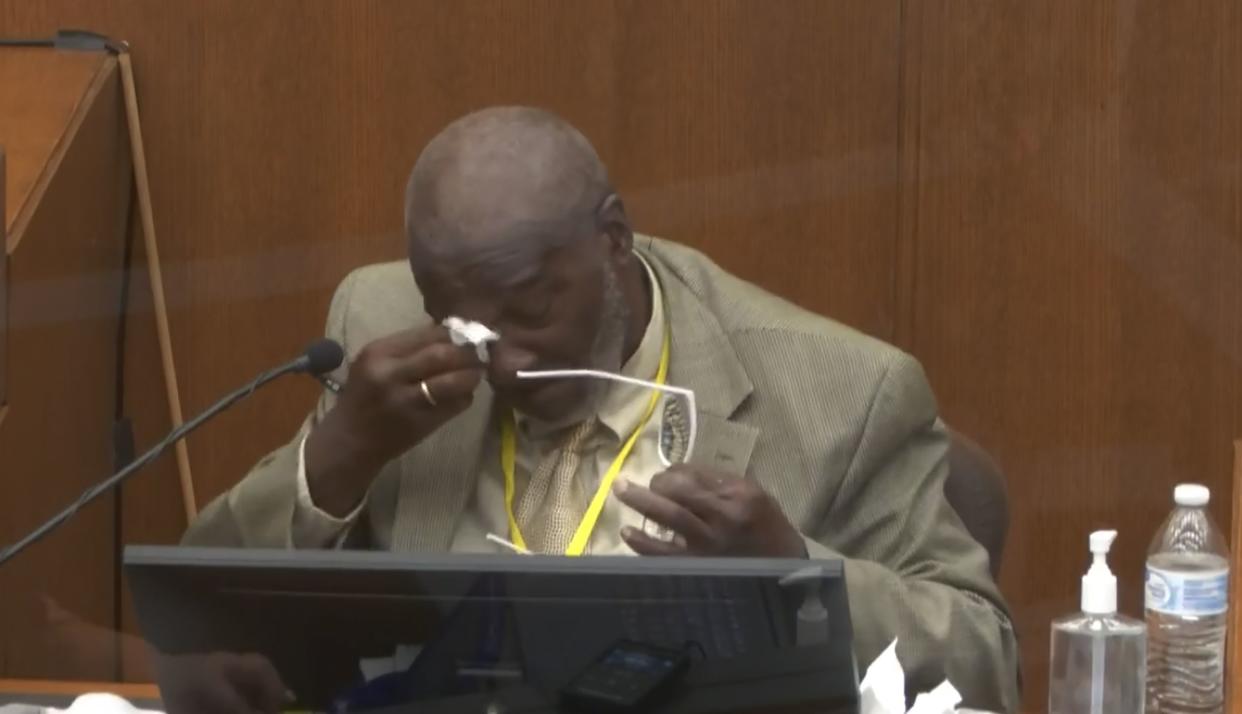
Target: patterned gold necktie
{"type": "Point", "coordinates": [554, 502]}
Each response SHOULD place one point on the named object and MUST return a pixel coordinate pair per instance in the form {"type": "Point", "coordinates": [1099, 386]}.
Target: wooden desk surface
{"type": "Point", "coordinates": [40, 89]}
{"type": "Point", "coordinates": [49, 687]}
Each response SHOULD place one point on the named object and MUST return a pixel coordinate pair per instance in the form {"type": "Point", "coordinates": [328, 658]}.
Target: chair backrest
{"type": "Point", "coordinates": [976, 489]}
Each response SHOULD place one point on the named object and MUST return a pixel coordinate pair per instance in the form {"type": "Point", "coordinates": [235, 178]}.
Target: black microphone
{"type": "Point", "coordinates": [320, 357]}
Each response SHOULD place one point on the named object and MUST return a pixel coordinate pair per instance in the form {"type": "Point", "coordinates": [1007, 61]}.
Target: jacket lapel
{"type": "Point", "coordinates": [701, 358]}
{"type": "Point", "coordinates": [438, 480]}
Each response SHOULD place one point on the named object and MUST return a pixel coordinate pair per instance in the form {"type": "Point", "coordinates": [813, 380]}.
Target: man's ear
{"type": "Point", "coordinates": [616, 225]}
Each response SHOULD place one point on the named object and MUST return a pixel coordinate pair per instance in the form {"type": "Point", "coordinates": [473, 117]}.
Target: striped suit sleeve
{"type": "Point", "coordinates": [912, 570]}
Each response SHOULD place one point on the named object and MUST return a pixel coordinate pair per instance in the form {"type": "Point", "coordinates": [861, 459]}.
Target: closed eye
{"type": "Point", "coordinates": [531, 304]}
{"type": "Point", "coordinates": [531, 311]}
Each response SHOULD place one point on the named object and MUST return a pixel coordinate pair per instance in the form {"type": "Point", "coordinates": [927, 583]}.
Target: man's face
{"type": "Point", "coordinates": [555, 303]}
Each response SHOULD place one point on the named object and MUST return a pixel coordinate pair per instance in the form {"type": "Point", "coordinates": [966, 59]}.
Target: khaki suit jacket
{"type": "Point", "coordinates": [840, 428]}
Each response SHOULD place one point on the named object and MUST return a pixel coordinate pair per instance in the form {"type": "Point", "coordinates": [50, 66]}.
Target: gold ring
{"type": "Point", "coordinates": [431, 401]}
{"type": "Point", "coordinates": [658, 531]}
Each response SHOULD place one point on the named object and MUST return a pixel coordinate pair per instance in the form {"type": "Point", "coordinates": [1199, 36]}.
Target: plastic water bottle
{"type": "Point", "coordinates": [1186, 603]}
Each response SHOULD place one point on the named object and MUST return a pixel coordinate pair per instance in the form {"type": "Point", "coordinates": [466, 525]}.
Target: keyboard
{"type": "Point", "coordinates": [693, 613]}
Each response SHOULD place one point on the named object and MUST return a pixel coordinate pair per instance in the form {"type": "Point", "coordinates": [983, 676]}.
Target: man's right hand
{"type": "Point", "coordinates": [384, 411]}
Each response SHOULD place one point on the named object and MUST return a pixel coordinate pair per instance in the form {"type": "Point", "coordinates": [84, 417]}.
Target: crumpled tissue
{"type": "Point", "coordinates": [93, 703]}
{"type": "Point", "coordinates": [883, 690]}
{"type": "Point", "coordinates": [467, 332]}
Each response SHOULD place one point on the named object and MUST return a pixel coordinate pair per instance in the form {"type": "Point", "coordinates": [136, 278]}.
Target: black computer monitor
{"type": "Point", "coordinates": [508, 631]}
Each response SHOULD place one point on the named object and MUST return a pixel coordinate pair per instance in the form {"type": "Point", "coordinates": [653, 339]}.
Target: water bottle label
{"type": "Point", "coordinates": [1181, 593]}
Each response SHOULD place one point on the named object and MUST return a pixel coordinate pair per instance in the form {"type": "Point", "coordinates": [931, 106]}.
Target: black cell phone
{"type": "Point", "coordinates": [626, 676]}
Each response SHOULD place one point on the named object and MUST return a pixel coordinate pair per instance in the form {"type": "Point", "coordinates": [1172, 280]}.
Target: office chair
{"type": "Point", "coordinates": [976, 489]}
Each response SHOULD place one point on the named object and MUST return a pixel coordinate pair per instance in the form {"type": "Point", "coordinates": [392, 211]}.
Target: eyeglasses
{"type": "Point", "coordinates": [677, 431]}
{"type": "Point", "coordinates": [670, 433]}
{"type": "Point", "coordinates": [674, 433]}
{"type": "Point", "coordinates": [464, 332]}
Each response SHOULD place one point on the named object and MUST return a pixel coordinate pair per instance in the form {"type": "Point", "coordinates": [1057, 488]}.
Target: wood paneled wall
{"type": "Point", "coordinates": [70, 172]}
{"type": "Point", "coordinates": [1072, 267]}
{"type": "Point", "coordinates": [1040, 200]}
{"type": "Point", "coordinates": [4, 291]}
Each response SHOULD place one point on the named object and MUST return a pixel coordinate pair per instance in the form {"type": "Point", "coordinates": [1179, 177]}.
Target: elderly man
{"type": "Point", "coordinates": [813, 440]}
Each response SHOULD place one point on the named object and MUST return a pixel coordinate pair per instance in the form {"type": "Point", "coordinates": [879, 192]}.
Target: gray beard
{"type": "Point", "coordinates": [607, 355]}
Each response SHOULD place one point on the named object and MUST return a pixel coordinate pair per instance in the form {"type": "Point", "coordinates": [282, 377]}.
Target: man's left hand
{"type": "Point", "coordinates": [711, 513]}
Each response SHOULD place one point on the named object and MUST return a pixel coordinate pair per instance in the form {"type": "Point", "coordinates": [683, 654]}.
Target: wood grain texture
{"type": "Point", "coordinates": [46, 687]}
{"type": "Point", "coordinates": [1040, 200]}
{"type": "Point", "coordinates": [278, 152]}
{"type": "Point", "coordinates": [4, 294]}
{"type": "Point", "coordinates": [155, 279]}
{"type": "Point", "coordinates": [56, 439]}
{"type": "Point", "coordinates": [278, 149]}
{"type": "Point", "coordinates": [1073, 225]}
{"type": "Point", "coordinates": [149, 508]}
{"type": "Point", "coordinates": [35, 119]}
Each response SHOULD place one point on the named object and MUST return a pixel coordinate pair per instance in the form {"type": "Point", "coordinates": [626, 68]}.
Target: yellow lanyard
{"type": "Point", "coordinates": [508, 453]}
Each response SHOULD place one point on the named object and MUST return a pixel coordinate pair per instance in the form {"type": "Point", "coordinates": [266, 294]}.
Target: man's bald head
{"type": "Point", "coordinates": [502, 170]}
{"type": "Point", "coordinates": [512, 222]}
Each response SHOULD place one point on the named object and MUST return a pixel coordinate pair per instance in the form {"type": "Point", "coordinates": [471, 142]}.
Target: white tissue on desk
{"type": "Point", "coordinates": [466, 332]}
{"type": "Point", "coordinates": [944, 698]}
{"type": "Point", "coordinates": [883, 690]}
{"type": "Point", "coordinates": [93, 703]}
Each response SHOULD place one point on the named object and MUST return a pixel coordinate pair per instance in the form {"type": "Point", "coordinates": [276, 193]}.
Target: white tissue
{"type": "Point", "coordinates": [466, 332]}
{"type": "Point", "coordinates": [373, 667]}
{"type": "Point", "coordinates": [883, 687]}
{"type": "Point", "coordinates": [943, 698]}
{"type": "Point", "coordinates": [102, 703]}
{"type": "Point", "coordinates": [883, 690]}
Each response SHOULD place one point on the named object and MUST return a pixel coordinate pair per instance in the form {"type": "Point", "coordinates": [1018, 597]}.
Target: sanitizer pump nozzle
{"type": "Point", "coordinates": [1099, 585]}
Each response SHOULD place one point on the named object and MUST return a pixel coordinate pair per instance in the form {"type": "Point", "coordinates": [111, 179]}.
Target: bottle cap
{"type": "Point", "coordinates": [1099, 585]}
{"type": "Point", "coordinates": [1191, 495]}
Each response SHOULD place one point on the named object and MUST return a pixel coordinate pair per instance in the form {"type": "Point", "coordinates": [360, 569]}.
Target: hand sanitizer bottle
{"type": "Point", "coordinates": [1099, 658]}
